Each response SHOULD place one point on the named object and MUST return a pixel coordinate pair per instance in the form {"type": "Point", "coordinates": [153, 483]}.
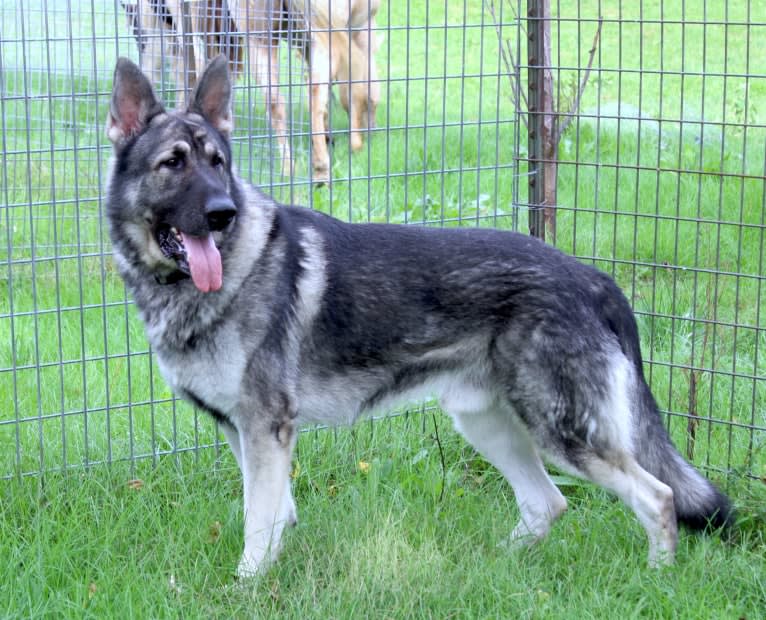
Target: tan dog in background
{"type": "Point", "coordinates": [338, 45]}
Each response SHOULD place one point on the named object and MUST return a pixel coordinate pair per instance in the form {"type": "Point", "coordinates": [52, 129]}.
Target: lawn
{"type": "Point", "coordinates": [660, 184]}
{"type": "Point", "coordinates": [375, 539]}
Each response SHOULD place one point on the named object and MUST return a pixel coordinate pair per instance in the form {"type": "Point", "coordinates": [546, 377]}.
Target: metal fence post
{"type": "Point", "coordinates": [542, 141]}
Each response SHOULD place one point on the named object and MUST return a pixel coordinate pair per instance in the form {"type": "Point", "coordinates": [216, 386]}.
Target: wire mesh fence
{"type": "Point", "coordinates": [661, 183]}
{"type": "Point", "coordinates": [660, 156]}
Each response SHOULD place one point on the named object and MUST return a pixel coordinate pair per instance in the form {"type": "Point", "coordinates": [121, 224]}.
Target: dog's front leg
{"type": "Point", "coordinates": [320, 72]}
{"type": "Point", "coordinates": [265, 454]}
{"type": "Point", "coordinates": [232, 437]}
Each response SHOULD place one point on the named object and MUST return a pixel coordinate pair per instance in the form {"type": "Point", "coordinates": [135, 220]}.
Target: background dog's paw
{"type": "Point", "coordinates": [321, 173]}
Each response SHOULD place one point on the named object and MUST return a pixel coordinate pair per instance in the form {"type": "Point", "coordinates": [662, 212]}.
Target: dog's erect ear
{"type": "Point", "coordinates": [133, 103]}
{"type": "Point", "coordinates": [212, 95]}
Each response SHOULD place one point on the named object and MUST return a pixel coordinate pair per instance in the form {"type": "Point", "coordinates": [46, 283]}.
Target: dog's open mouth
{"type": "Point", "coordinates": [172, 246]}
{"type": "Point", "coordinates": [195, 256]}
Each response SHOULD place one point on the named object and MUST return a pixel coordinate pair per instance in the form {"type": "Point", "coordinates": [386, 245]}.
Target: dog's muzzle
{"type": "Point", "coordinates": [220, 212]}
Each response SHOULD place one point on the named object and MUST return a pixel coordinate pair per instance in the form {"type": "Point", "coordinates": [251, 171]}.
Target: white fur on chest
{"type": "Point", "coordinates": [213, 372]}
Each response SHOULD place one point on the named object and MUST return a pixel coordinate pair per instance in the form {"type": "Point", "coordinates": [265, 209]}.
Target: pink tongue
{"type": "Point", "coordinates": [204, 262]}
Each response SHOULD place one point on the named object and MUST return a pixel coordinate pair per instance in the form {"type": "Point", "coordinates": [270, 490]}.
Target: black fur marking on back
{"type": "Point", "coordinates": [286, 285]}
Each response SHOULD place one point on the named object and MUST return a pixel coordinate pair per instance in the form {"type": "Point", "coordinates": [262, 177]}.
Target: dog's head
{"type": "Point", "coordinates": [171, 193]}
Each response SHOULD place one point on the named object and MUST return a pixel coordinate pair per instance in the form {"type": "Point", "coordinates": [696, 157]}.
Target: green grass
{"type": "Point", "coordinates": [378, 543]}
{"type": "Point", "coordinates": [671, 206]}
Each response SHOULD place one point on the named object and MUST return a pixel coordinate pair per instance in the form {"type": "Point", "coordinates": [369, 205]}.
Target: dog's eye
{"type": "Point", "coordinates": [174, 161]}
{"type": "Point", "coordinates": [216, 160]}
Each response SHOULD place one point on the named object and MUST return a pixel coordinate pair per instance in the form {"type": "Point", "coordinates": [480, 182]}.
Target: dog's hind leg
{"type": "Point", "coordinates": [501, 438]}
{"type": "Point", "coordinates": [606, 455]}
{"type": "Point", "coordinates": [650, 499]}
{"type": "Point", "coordinates": [580, 413]}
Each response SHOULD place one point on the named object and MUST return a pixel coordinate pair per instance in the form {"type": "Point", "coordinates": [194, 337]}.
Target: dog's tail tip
{"type": "Point", "coordinates": [710, 510]}
{"type": "Point", "coordinates": [699, 504]}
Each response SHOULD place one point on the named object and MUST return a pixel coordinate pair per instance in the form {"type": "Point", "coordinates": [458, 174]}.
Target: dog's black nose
{"type": "Point", "coordinates": [220, 211]}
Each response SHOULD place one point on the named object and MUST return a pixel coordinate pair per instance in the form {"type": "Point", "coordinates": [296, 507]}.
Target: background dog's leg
{"type": "Point", "coordinates": [183, 63]}
{"type": "Point", "coordinates": [319, 71]}
{"type": "Point", "coordinates": [501, 438]}
{"type": "Point", "coordinates": [354, 93]}
{"type": "Point", "coordinates": [151, 54]}
{"type": "Point", "coordinates": [264, 67]}
{"type": "Point", "coordinates": [367, 41]}
{"type": "Point", "coordinates": [266, 455]}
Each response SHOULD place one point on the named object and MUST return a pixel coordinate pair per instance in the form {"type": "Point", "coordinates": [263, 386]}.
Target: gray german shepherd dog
{"type": "Point", "coordinates": [269, 317]}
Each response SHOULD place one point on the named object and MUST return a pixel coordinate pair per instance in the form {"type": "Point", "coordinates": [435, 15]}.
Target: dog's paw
{"type": "Point", "coordinates": [258, 558]}
{"type": "Point", "coordinates": [320, 172]}
{"type": "Point", "coordinates": [516, 544]}
{"type": "Point", "coordinates": [522, 537]}
{"type": "Point", "coordinates": [251, 568]}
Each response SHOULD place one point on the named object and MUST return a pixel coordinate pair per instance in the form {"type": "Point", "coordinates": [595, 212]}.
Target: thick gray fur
{"type": "Point", "coordinates": [533, 354]}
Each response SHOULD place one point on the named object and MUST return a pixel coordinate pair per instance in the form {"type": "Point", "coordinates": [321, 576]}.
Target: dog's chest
{"type": "Point", "coordinates": [211, 373]}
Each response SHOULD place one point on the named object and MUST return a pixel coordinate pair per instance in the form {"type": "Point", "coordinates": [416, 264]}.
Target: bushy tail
{"type": "Point", "coordinates": [698, 503]}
